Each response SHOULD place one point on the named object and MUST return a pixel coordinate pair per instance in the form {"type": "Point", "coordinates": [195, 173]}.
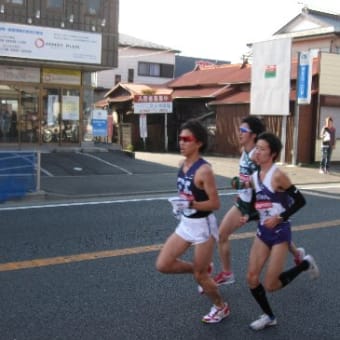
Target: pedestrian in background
{"type": "Point", "coordinates": [198, 198]}
{"type": "Point", "coordinates": [276, 199]}
{"type": "Point", "coordinates": [328, 141]}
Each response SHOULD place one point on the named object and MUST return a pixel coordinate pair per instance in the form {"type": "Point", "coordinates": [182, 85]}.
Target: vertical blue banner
{"type": "Point", "coordinates": [303, 92]}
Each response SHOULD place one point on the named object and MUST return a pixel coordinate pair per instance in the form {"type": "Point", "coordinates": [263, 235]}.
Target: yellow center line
{"type": "Point", "coordinates": [10, 266]}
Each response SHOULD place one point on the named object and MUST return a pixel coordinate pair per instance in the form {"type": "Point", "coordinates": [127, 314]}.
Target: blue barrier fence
{"type": "Point", "coordinates": [18, 174]}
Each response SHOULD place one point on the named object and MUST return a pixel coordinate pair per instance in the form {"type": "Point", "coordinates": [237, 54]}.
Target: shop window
{"type": "Point", "coordinates": [93, 6]}
{"type": "Point", "coordinates": [61, 116]}
{"type": "Point", "coordinates": [155, 70]}
{"type": "Point", "coordinates": [15, 2]}
{"type": "Point", "coordinates": [19, 114]}
{"type": "Point", "coordinates": [56, 4]}
{"type": "Point", "coordinates": [131, 75]}
{"type": "Point", "coordinates": [118, 79]}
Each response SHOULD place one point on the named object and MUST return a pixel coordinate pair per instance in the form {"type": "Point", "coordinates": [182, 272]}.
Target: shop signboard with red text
{"type": "Point", "coordinates": [152, 103]}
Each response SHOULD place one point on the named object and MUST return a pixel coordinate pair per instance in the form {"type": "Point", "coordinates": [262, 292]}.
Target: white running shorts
{"type": "Point", "coordinates": [197, 230]}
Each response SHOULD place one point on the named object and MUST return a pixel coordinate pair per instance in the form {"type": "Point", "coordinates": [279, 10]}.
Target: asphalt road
{"type": "Point", "coordinates": [85, 270]}
{"type": "Point", "coordinates": [78, 263]}
{"type": "Point", "coordinates": [103, 174]}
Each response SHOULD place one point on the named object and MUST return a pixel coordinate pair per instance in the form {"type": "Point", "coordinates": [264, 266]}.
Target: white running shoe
{"type": "Point", "coordinates": [224, 278]}
{"type": "Point", "coordinates": [210, 270]}
{"type": "Point", "coordinates": [262, 322]}
{"type": "Point", "coordinates": [300, 256]}
{"type": "Point", "coordinates": [216, 314]}
{"type": "Point", "coordinates": [313, 269]}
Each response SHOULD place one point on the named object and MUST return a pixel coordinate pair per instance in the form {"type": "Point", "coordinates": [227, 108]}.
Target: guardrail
{"type": "Point", "coordinates": [19, 174]}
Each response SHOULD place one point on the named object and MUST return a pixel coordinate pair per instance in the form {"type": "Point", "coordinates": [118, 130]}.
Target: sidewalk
{"type": "Point", "coordinates": [160, 179]}
{"type": "Point", "coordinates": [228, 167]}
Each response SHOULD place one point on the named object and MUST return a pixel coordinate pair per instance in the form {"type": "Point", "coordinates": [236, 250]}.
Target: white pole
{"type": "Point", "coordinates": [166, 132]}
{"type": "Point", "coordinates": [296, 116]}
{"type": "Point", "coordinates": [38, 171]}
{"type": "Point", "coordinates": [295, 133]}
{"type": "Point", "coordinates": [283, 139]}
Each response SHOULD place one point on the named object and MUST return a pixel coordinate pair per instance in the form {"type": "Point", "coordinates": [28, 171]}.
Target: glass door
{"type": "Point", "coordinates": [19, 120]}
{"type": "Point", "coordinates": [51, 116]}
{"type": "Point", "coordinates": [60, 122]}
{"type": "Point", "coordinates": [70, 111]}
{"type": "Point", "coordinates": [28, 117]}
{"type": "Point", "coordinates": [9, 103]}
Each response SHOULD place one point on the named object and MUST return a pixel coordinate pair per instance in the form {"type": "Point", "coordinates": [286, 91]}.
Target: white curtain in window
{"type": "Point", "coordinates": [155, 70]}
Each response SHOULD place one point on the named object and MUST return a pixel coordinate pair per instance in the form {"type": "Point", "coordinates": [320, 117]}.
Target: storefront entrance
{"type": "Point", "coordinates": [39, 115]}
{"type": "Point", "coordinates": [60, 120]}
{"type": "Point", "coordinates": [19, 114]}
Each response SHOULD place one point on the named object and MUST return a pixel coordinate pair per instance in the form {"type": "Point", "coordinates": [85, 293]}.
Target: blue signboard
{"type": "Point", "coordinates": [99, 123]}
{"type": "Point", "coordinates": [304, 78]}
{"type": "Point", "coordinates": [99, 127]}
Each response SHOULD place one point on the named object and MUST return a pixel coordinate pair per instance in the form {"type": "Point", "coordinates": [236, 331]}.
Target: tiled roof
{"type": "Point", "coordinates": [328, 19]}
{"type": "Point", "coordinates": [219, 76]}
{"type": "Point", "coordinates": [214, 75]}
{"type": "Point", "coordinates": [323, 19]}
{"type": "Point", "coordinates": [194, 84]}
{"type": "Point", "coordinates": [203, 92]}
{"type": "Point", "coordinates": [222, 84]}
{"type": "Point", "coordinates": [101, 103]}
{"type": "Point", "coordinates": [128, 40]}
{"type": "Point", "coordinates": [235, 98]}
{"type": "Point", "coordinates": [119, 99]}
{"type": "Point", "coordinates": [134, 89]}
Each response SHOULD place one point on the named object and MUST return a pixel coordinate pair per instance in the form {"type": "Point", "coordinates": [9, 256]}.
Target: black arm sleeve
{"type": "Point", "coordinates": [299, 202]}
{"type": "Point", "coordinates": [253, 214]}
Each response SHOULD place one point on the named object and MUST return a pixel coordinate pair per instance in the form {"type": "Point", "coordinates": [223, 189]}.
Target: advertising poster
{"type": "Point", "coordinates": [52, 109]}
{"type": "Point", "coordinates": [70, 107]}
{"type": "Point", "coordinates": [99, 123]}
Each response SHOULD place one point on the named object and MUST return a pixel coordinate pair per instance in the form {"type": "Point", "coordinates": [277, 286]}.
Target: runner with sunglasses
{"type": "Point", "coordinates": [250, 128]}
{"type": "Point", "coordinates": [198, 198]}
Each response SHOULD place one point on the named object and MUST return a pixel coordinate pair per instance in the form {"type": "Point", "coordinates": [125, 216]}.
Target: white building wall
{"type": "Point", "coordinates": [128, 58]}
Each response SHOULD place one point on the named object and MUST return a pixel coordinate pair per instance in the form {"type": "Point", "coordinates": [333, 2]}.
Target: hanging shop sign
{"type": "Point", "coordinates": [152, 104]}
{"type": "Point", "coordinates": [60, 76]}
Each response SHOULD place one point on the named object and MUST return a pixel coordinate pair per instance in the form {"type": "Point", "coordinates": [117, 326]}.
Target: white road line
{"type": "Point", "coordinates": [319, 186]}
{"type": "Point", "coordinates": [105, 162]}
{"type": "Point", "coordinates": [335, 196]}
{"type": "Point", "coordinates": [75, 204]}
{"type": "Point", "coordinates": [143, 199]}
{"type": "Point", "coordinates": [46, 172]}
